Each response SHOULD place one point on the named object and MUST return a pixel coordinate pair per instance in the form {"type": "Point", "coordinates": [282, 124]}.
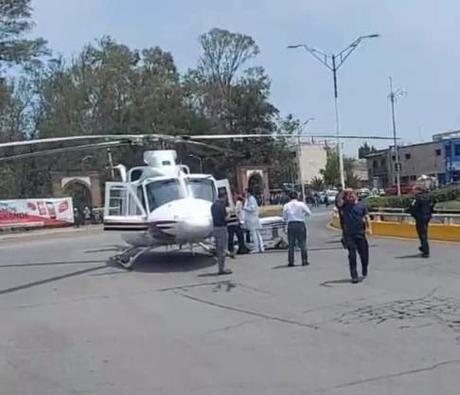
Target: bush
{"type": "Point", "coordinates": [439, 195]}
{"type": "Point", "coordinates": [403, 201]}
{"type": "Point", "coordinates": [446, 194]}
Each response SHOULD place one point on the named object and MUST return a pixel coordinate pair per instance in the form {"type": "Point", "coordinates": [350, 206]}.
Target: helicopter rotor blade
{"type": "Point", "coordinates": [261, 135]}
{"type": "Point", "coordinates": [55, 151]}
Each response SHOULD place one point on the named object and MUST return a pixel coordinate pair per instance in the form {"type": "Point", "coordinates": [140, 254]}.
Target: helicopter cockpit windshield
{"type": "Point", "coordinates": [163, 191]}
{"type": "Point", "coordinates": [160, 192]}
{"type": "Point", "coordinates": [201, 188]}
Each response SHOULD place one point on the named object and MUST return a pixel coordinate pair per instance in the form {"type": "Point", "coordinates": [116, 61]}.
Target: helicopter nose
{"type": "Point", "coordinates": [197, 227]}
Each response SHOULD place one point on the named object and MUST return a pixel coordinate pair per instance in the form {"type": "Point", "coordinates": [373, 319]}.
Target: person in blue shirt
{"type": "Point", "coordinates": [219, 220]}
{"type": "Point", "coordinates": [355, 219]}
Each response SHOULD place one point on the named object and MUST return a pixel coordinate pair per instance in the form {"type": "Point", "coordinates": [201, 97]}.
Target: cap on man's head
{"type": "Point", "coordinates": [293, 195]}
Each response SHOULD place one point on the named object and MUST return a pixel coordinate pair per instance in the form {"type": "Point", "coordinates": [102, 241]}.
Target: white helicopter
{"type": "Point", "coordinates": [160, 204]}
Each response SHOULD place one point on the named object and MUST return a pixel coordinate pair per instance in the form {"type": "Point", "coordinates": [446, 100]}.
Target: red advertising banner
{"type": "Point", "coordinates": [36, 213]}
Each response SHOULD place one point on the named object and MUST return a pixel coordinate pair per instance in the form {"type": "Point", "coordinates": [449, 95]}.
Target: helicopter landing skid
{"type": "Point", "coordinates": [126, 259]}
{"type": "Point", "coordinates": [208, 248]}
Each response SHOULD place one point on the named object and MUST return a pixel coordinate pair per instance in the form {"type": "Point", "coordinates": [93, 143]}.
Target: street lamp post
{"type": "Point", "coordinates": [83, 160]}
{"type": "Point", "coordinates": [334, 62]}
{"type": "Point", "coordinates": [393, 97]}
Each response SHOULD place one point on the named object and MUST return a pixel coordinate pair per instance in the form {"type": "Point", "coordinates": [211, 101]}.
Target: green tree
{"type": "Point", "coordinates": [216, 86]}
{"type": "Point", "coordinates": [15, 23]}
{"type": "Point", "coordinates": [331, 172]}
{"type": "Point", "coordinates": [365, 150]}
{"type": "Point", "coordinates": [317, 183]}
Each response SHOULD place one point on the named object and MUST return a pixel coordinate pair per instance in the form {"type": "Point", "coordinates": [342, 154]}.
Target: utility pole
{"type": "Point", "coordinates": [334, 62]}
{"type": "Point", "coordinates": [397, 167]}
{"type": "Point", "coordinates": [337, 124]}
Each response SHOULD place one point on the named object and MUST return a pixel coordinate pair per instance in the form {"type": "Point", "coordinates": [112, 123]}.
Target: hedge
{"type": "Point", "coordinates": [404, 201]}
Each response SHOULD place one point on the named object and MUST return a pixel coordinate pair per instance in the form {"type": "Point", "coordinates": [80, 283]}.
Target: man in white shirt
{"type": "Point", "coordinates": [294, 214]}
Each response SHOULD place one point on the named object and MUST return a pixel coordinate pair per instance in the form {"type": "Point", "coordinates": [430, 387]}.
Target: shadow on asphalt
{"type": "Point", "coordinates": [156, 262]}
{"type": "Point", "coordinates": [413, 256]}
{"type": "Point", "coordinates": [336, 282]}
{"type": "Point", "coordinates": [51, 279]}
{"type": "Point", "coordinates": [281, 267]}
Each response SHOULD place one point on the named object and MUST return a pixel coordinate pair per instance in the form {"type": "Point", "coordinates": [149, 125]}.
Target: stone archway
{"type": "Point", "coordinates": [256, 187]}
{"type": "Point", "coordinates": [256, 183]}
{"type": "Point", "coordinates": [85, 188]}
{"type": "Point", "coordinates": [255, 177]}
{"type": "Point", "coordinates": [79, 192]}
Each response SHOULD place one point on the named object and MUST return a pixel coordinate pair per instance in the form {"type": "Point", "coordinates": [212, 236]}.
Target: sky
{"type": "Point", "coordinates": [417, 48]}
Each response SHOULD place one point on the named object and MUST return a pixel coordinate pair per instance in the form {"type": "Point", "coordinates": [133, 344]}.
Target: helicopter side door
{"type": "Point", "coordinates": [124, 207]}
{"type": "Point", "coordinates": [225, 185]}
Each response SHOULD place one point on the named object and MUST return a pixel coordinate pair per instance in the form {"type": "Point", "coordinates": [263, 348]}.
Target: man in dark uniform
{"type": "Point", "coordinates": [355, 220]}
{"type": "Point", "coordinates": [422, 210]}
{"type": "Point", "coordinates": [219, 219]}
{"type": "Point", "coordinates": [234, 228]}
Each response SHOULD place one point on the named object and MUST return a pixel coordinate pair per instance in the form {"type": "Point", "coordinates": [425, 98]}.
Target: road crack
{"type": "Point", "coordinates": [388, 376]}
{"type": "Point", "coordinates": [250, 312]}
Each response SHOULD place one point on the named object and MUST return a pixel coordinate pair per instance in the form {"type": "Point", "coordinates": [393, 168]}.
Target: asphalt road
{"type": "Point", "coordinates": [73, 324]}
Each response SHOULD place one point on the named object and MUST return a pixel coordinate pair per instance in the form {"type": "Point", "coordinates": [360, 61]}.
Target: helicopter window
{"type": "Point", "coordinates": [136, 174]}
{"type": "Point", "coordinates": [202, 188]}
{"type": "Point", "coordinates": [162, 192]}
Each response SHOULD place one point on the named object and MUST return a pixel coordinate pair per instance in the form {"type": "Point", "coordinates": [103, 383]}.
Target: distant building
{"type": "Point", "coordinates": [439, 158]}
{"type": "Point", "coordinates": [361, 173]}
{"type": "Point", "coordinates": [312, 159]}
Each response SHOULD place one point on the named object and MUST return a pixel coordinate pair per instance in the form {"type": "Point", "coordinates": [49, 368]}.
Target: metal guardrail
{"type": "Point", "coordinates": [390, 214]}
{"type": "Point", "coordinates": [383, 216]}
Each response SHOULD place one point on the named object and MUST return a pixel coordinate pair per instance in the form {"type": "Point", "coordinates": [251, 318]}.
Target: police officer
{"type": "Point", "coordinates": [294, 214]}
{"type": "Point", "coordinates": [422, 210]}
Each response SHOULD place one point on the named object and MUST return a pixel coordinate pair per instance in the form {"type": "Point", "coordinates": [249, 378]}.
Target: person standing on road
{"type": "Point", "coordinates": [252, 222]}
{"type": "Point", "coordinates": [355, 226]}
{"type": "Point", "coordinates": [234, 228]}
{"type": "Point", "coordinates": [76, 217]}
{"type": "Point", "coordinates": [87, 215]}
{"type": "Point", "coordinates": [422, 210]}
{"type": "Point", "coordinates": [219, 220]}
{"type": "Point", "coordinates": [339, 196]}
{"type": "Point", "coordinates": [294, 215]}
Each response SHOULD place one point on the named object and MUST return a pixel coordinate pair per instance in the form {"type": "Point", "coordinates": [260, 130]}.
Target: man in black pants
{"type": "Point", "coordinates": [355, 224]}
{"type": "Point", "coordinates": [234, 228]}
{"type": "Point", "coordinates": [422, 210]}
{"type": "Point", "coordinates": [219, 219]}
{"type": "Point", "coordinates": [294, 214]}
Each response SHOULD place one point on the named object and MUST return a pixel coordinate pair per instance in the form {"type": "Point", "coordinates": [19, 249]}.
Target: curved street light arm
{"type": "Point", "coordinates": [344, 54]}
{"type": "Point", "coordinates": [322, 57]}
